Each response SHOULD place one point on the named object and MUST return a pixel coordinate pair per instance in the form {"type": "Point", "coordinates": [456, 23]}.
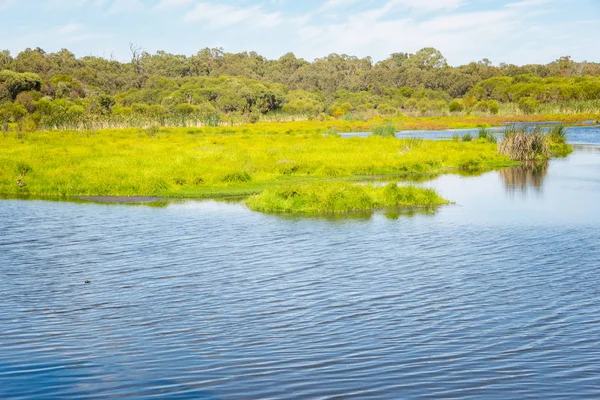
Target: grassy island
{"type": "Point", "coordinates": [220, 162]}
{"type": "Point", "coordinates": [340, 197]}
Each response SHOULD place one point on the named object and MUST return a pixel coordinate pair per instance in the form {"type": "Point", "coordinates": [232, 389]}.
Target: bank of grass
{"type": "Point", "coordinates": [218, 162]}
{"type": "Point", "coordinates": [340, 197]}
{"type": "Point", "coordinates": [557, 141]}
{"type": "Point", "coordinates": [373, 123]}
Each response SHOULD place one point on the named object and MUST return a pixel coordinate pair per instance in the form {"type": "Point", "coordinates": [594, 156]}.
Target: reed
{"type": "Point", "coordinates": [487, 135]}
{"type": "Point", "coordinates": [524, 144]}
{"type": "Point", "coordinates": [558, 134]}
{"type": "Point", "coordinates": [386, 130]}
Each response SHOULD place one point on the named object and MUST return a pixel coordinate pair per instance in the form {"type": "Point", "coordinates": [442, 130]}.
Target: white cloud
{"type": "Point", "coordinates": [330, 4]}
{"type": "Point", "coordinates": [122, 6]}
{"type": "Point", "coordinates": [70, 29]}
{"type": "Point", "coordinates": [6, 4]}
{"type": "Point", "coordinates": [169, 4]}
{"type": "Point", "coordinates": [429, 5]}
{"type": "Point", "coordinates": [223, 15]}
{"type": "Point", "coordinates": [460, 35]}
{"type": "Point", "coordinates": [529, 3]}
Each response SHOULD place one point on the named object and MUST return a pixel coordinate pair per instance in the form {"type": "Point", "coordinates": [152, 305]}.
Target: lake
{"type": "Point", "coordinates": [496, 296]}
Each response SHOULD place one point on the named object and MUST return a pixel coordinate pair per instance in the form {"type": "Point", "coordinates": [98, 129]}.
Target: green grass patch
{"type": "Point", "coordinates": [385, 130]}
{"type": "Point", "coordinates": [218, 162]}
{"type": "Point", "coordinates": [340, 197]}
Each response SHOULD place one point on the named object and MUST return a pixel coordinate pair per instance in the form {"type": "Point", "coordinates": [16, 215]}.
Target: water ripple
{"type": "Point", "coordinates": [211, 301]}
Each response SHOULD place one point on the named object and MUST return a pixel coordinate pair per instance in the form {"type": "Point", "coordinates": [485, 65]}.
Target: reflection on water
{"type": "Point", "coordinates": [525, 177]}
{"type": "Point", "coordinates": [582, 134]}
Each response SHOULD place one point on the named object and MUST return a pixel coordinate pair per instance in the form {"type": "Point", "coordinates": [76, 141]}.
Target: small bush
{"type": "Point", "coordinates": [487, 135]}
{"type": "Point", "coordinates": [212, 120]}
{"type": "Point", "coordinates": [558, 134]}
{"type": "Point", "coordinates": [237, 177]}
{"type": "Point", "coordinates": [23, 169]}
{"type": "Point", "coordinates": [152, 131]}
{"type": "Point", "coordinates": [467, 137]}
{"type": "Point", "coordinates": [493, 107]}
{"type": "Point", "coordinates": [557, 141]}
{"type": "Point", "coordinates": [456, 106]}
{"type": "Point", "coordinates": [254, 117]}
{"type": "Point", "coordinates": [387, 130]}
{"type": "Point", "coordinates": [528, 105]}
{"type": "Point", "coordinates": [470, 165]}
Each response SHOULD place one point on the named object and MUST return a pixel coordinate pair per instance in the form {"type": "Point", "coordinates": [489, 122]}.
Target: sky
{"type": "Point", "coordinates": [511, 31]}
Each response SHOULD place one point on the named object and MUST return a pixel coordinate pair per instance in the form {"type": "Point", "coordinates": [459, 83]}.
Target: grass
{"type": "Point", "coordinates": [386, 130]}
{"type": "Point", "coordinates": [340, 197]}
{"type": "Point", "coordinates": [295, 124]}
{"type": "Point", "coordinates": [531, 144]}
{"type": "Point", "coordinates": [524, 144]}
{"type": "Point", "coordinates": [218, 162]}
{"type": "Point", "coordinates": [557, 141]}
{"type": "Point", "coordinates": [487, 135]}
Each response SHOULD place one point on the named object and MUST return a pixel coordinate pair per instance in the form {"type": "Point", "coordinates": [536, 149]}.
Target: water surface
{"type": "Point", "coordinates": [495, 297]}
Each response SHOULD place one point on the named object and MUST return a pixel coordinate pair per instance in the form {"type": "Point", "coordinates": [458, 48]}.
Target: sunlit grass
{"type": "Point", "coordinates": [214, 162]}
{"type": "Point", "coordinates": [340, 197]}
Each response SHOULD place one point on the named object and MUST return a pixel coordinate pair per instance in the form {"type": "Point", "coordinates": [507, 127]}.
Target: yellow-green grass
{"type": "Point", "coordinates": [400, 122]}
{"type": "Point", "coordinates": [212, 163]}
{"type": "Point", "coordinates": [340, 197]}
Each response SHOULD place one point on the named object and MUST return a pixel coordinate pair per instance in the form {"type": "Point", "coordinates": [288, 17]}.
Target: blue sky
{"type": "Point", "coordinates": [513, 31]}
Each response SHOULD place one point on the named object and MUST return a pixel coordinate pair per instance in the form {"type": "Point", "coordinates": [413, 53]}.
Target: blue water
{"type": "Point", "coordinates": [577, 134]}
{"type": "Point", "coordinates": [495, 297]}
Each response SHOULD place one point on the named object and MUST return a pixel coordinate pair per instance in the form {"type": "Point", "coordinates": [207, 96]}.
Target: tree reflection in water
{"type": "Point", "coordinates": [524, 177]}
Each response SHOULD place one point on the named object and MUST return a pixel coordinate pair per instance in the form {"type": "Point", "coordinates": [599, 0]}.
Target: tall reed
{"type": "Point", "coordinates": [524, 144]}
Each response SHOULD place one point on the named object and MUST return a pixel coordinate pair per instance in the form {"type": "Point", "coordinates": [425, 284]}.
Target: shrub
{"type": "Point", "coordinates": [387, 130]}
{"type": "Point", "coordinates": [152, 131]}
{"type": "Point", "coordinates": [470, 165]}
{"type": "Point", "coordinates": [467, 137]}
{"type": "Point", "coordinates": [487, 135]}
{"type": "Point", "coordinates": [184, 109]}
{"type": "Point", "coordinates": [558, 134]}
{"type": "Point", "coordinates": [386, 109]}
{"type": "Point", "coordinates": [23, 169]}
{"type": "Point", "coordinates": [493, 107]}
{"type": "Point", "coordinates": [237, 177]}
{"type": "Point", "coordinates": [456, 106]}
{"type": "Point", "coordinates": [482, 106]}
{"type": "Point", "coordinates": [528, 105]}
{"type": "Point", "coordinates": [557, 141]}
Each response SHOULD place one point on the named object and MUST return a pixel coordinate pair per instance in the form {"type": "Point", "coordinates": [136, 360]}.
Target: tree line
{"type": "Point", "coordinates": [58, 89]}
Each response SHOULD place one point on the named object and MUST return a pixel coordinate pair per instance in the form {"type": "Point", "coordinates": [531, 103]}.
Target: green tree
{"type": "Point", "coordinates": [16, 82]}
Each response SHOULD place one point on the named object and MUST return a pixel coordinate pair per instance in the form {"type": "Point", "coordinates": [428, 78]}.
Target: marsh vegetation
{"type": "Point", "coordinates": [340, 197]}
{"type": "Point", "coordinates": [218, 162]}
{"type": "Point", "coordinates": [523, 143]}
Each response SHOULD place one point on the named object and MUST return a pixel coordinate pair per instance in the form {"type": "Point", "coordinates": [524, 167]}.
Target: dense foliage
{"type": "Point", "coordinates": [59, 90]}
